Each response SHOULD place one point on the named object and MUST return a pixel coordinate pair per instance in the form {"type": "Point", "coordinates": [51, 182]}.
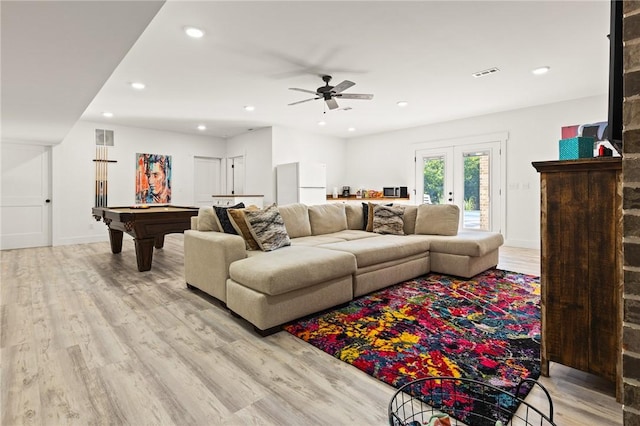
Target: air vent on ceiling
{"type": "Point", "coordinates": [486, 72]}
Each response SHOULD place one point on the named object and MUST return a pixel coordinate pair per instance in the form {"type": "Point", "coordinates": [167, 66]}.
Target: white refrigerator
{"type": "Point", "coordinates": [301, 183]}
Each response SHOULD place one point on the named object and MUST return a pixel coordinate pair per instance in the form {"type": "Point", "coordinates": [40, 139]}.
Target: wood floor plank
{"type": "Point", "coordinates": [87, 339]}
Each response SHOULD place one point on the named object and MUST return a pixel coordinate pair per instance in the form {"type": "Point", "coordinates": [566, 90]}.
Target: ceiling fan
{"type": "Point", "coordinates": [329, 93]}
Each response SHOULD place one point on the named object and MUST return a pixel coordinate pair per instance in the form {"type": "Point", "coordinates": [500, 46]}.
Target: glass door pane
{"type": "Point", "coordinates": [433, 178]}
{"type": "Point", "coordinates": [476, 204]}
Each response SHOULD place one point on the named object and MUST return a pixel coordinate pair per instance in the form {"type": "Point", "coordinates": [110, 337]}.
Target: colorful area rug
{"type": "Point", "coordinates": [486, 328]}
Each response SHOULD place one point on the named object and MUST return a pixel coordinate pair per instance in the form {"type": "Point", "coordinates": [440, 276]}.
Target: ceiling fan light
{"type": "Point", "coordinates": [193, 32]}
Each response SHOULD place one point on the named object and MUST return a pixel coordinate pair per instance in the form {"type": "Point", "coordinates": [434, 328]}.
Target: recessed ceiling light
{"type": "Point", "coordinates": [107, 114]}
{"type": "Point", "coordinates": [351, 129]}
{"type": "Point", "coordinates": [137, 85]}
{"type": "Point", "coordinates": [402, 104]}
{"type": "Point", "coordinates": [249, 108]}
{"type": "Point", "coordinates": [321, 123]}
{"type": "Point", "coordinates": [194, 32]}
{"type": "Point", "coordinates": [541, 70]}
{"type": "Point", "coordinates": [202, 127]}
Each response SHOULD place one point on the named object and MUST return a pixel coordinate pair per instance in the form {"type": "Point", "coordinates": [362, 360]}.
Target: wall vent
{"type": "Point", "coordinates": [486, 72]}
{"type": "Point", "coordinates": [104, 137]}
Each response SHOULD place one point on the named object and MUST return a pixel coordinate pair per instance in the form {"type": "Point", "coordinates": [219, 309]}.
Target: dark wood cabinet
{"type": "Point", "coordinates": [581, 265]}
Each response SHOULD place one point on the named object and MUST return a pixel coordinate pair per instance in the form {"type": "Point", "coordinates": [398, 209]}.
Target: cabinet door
{"type": "Point", "coordinates": [604, 252]}
{"type": "Point", "coordinates": [565, 267]}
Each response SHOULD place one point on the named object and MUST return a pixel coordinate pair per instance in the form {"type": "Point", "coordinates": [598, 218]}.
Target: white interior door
{"type": "Point", "coordinates": [235, 175]}
{"type": "Point", "coordinates": [207, 176]}
{"type": "Point", "coordinates": [467, 175]}
{"type": "Point", "coordinates": [25, 208]}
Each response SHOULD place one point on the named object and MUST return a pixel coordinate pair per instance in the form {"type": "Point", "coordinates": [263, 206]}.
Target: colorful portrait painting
{"type": "Point", "coordinates": [153, 179]}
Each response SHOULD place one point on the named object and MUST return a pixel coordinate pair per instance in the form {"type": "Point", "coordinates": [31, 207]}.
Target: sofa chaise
{"type": "Point", "coordinates": [324, 255]}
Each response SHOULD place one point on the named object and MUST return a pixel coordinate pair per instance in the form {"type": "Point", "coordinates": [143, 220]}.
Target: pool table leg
{"type": "Point", "coordinates": [115, 238]}
{"type": "Point", "coordinates": [159, 241]}
{"type": "Point", "coordinates": [144, 253]}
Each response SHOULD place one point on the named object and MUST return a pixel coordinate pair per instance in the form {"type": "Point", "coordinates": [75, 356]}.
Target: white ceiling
{"type": "Point", "coordinates": [55, 57]}
{"type": "Point", "coordinates": [422, 52]}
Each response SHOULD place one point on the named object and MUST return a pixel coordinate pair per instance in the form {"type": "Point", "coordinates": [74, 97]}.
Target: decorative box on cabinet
{"type": "Point", "coordinates": [581, 265]}
{"type": "Point", "coordinates": [232, 200]}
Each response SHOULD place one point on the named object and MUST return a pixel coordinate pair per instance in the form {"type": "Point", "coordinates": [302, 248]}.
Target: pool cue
{"type": "Point", "coordinates": [96, 176]}
{"type": "Point", "coordinates": [106, 174]}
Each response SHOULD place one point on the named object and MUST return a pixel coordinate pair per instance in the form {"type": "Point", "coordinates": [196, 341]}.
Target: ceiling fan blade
{"type": "Point", "coordinates": [303, 90]}
{"type": "Point", "coordinates": [332, 104]}
{"type": "Point", "coordinates": [343, 86]}
{"type": "Point", "coordinates": [355, 96]}
{"type": "Point", "coordinates": [306, 100]}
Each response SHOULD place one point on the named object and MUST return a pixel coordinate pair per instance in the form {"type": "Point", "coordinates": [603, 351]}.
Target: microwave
{"type": "Point", "coordinates": [395, 191]}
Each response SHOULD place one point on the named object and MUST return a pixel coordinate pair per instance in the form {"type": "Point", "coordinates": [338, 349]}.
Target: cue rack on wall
{"type": "Point", "coordinates": [104, 139]}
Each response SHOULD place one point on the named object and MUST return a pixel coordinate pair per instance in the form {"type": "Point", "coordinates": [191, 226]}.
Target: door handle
{"type": "Point", "coordinates": [47, 200]}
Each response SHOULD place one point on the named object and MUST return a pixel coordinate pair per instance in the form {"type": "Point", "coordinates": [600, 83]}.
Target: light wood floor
{"type": "Point", "coordinates": [87, 339]}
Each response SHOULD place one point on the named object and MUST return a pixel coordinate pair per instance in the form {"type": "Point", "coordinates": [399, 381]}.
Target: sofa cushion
{"type": "Point", "coordinates": [296, 219]}
{"type": "Point", "coordinates": [316, 240]}
{"type": "Point", "coordinates": [437, 219]}
{"type": "Point", "coordinates": [207, 219]}
{"type": "Point", "coordinates": [267, 227]}
{"type": "Point", "coordinates": [238, 221]}
{"type": "Point", "coordinates": [327, 218]}
{"type": "Point", "coordinates": [351, 234]}
{"type": "Point", "coordinates": [388, 220]}
{"type": "Point", "coordinates": [409, 219]}
{"type": "Point", "coordinates": [355, 216]}
{"type": "Point", "coordinates": [291, 268]}
{"type": "Point", "coordinates": [381, 248]}
{"type": "Point", "coordinates": [222, 218]}
{"type": "Point", "coordinates": [466, 243]}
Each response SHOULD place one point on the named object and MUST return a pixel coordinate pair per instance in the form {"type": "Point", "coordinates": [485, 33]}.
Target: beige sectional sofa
{"type": "Point", "coordinates": [330, 259]}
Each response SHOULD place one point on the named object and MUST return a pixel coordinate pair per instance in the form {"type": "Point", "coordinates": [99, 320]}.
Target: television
{"type": "Point", "coordinates": [614, 127]}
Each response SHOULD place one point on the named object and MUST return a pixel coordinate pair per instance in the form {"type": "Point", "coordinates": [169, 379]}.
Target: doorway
{"type": "Point", "coordinates": [468, 175]}
{"type": "Point", "coordinates": [235, 175]}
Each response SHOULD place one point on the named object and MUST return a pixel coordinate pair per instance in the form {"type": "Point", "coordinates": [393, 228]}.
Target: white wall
{"type": "Point", "coordinates": [533, 136]}
{"type": "Point", "coordinates": [291, 145]}
{"type": "Point", "coordinates": [73, 174]}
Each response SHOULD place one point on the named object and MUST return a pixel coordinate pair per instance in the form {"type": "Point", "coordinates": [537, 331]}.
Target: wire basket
{"type": "Point", "coordinates": [466, 402]}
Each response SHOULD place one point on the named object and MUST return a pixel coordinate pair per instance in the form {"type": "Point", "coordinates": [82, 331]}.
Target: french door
{"type": "Point", "coordinates": [468, 176]}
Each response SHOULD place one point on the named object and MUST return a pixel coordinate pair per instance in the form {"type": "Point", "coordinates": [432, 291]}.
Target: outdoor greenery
{"type": "Point", "coordinates": [434, 181]}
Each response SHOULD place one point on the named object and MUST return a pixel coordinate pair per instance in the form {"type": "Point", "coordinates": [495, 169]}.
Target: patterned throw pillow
{"type": "Point", "coordinates": [388, 220]}
{"type": "Point", "coordinates": [222, 218]}
{"type": "Point", "coordinates": [267, 227]}
{"type": "Point", "coordinates": [367, 215]}
{"type": "Point", "coordinates": [240, 225]}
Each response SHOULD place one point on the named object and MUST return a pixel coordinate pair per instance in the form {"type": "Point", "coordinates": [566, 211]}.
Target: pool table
{"type": "Point", "coordinates": [146, 224]}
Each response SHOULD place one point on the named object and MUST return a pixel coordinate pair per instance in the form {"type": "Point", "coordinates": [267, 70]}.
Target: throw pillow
{"type": "Point", "coordinates": [437, 219]}
{"type": "Point", "coordinates": [367, 215]}
{"type": "Point", "coordinates": [222, 218]}
{"type": "Point", "coordinates": [207, 219]}
{"type": "Point", "coordinates": [388, 220]}
{"type": "Point", "coordinates": [267, 227]}
{"type": "Point", "coordinates": [239, 223]}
